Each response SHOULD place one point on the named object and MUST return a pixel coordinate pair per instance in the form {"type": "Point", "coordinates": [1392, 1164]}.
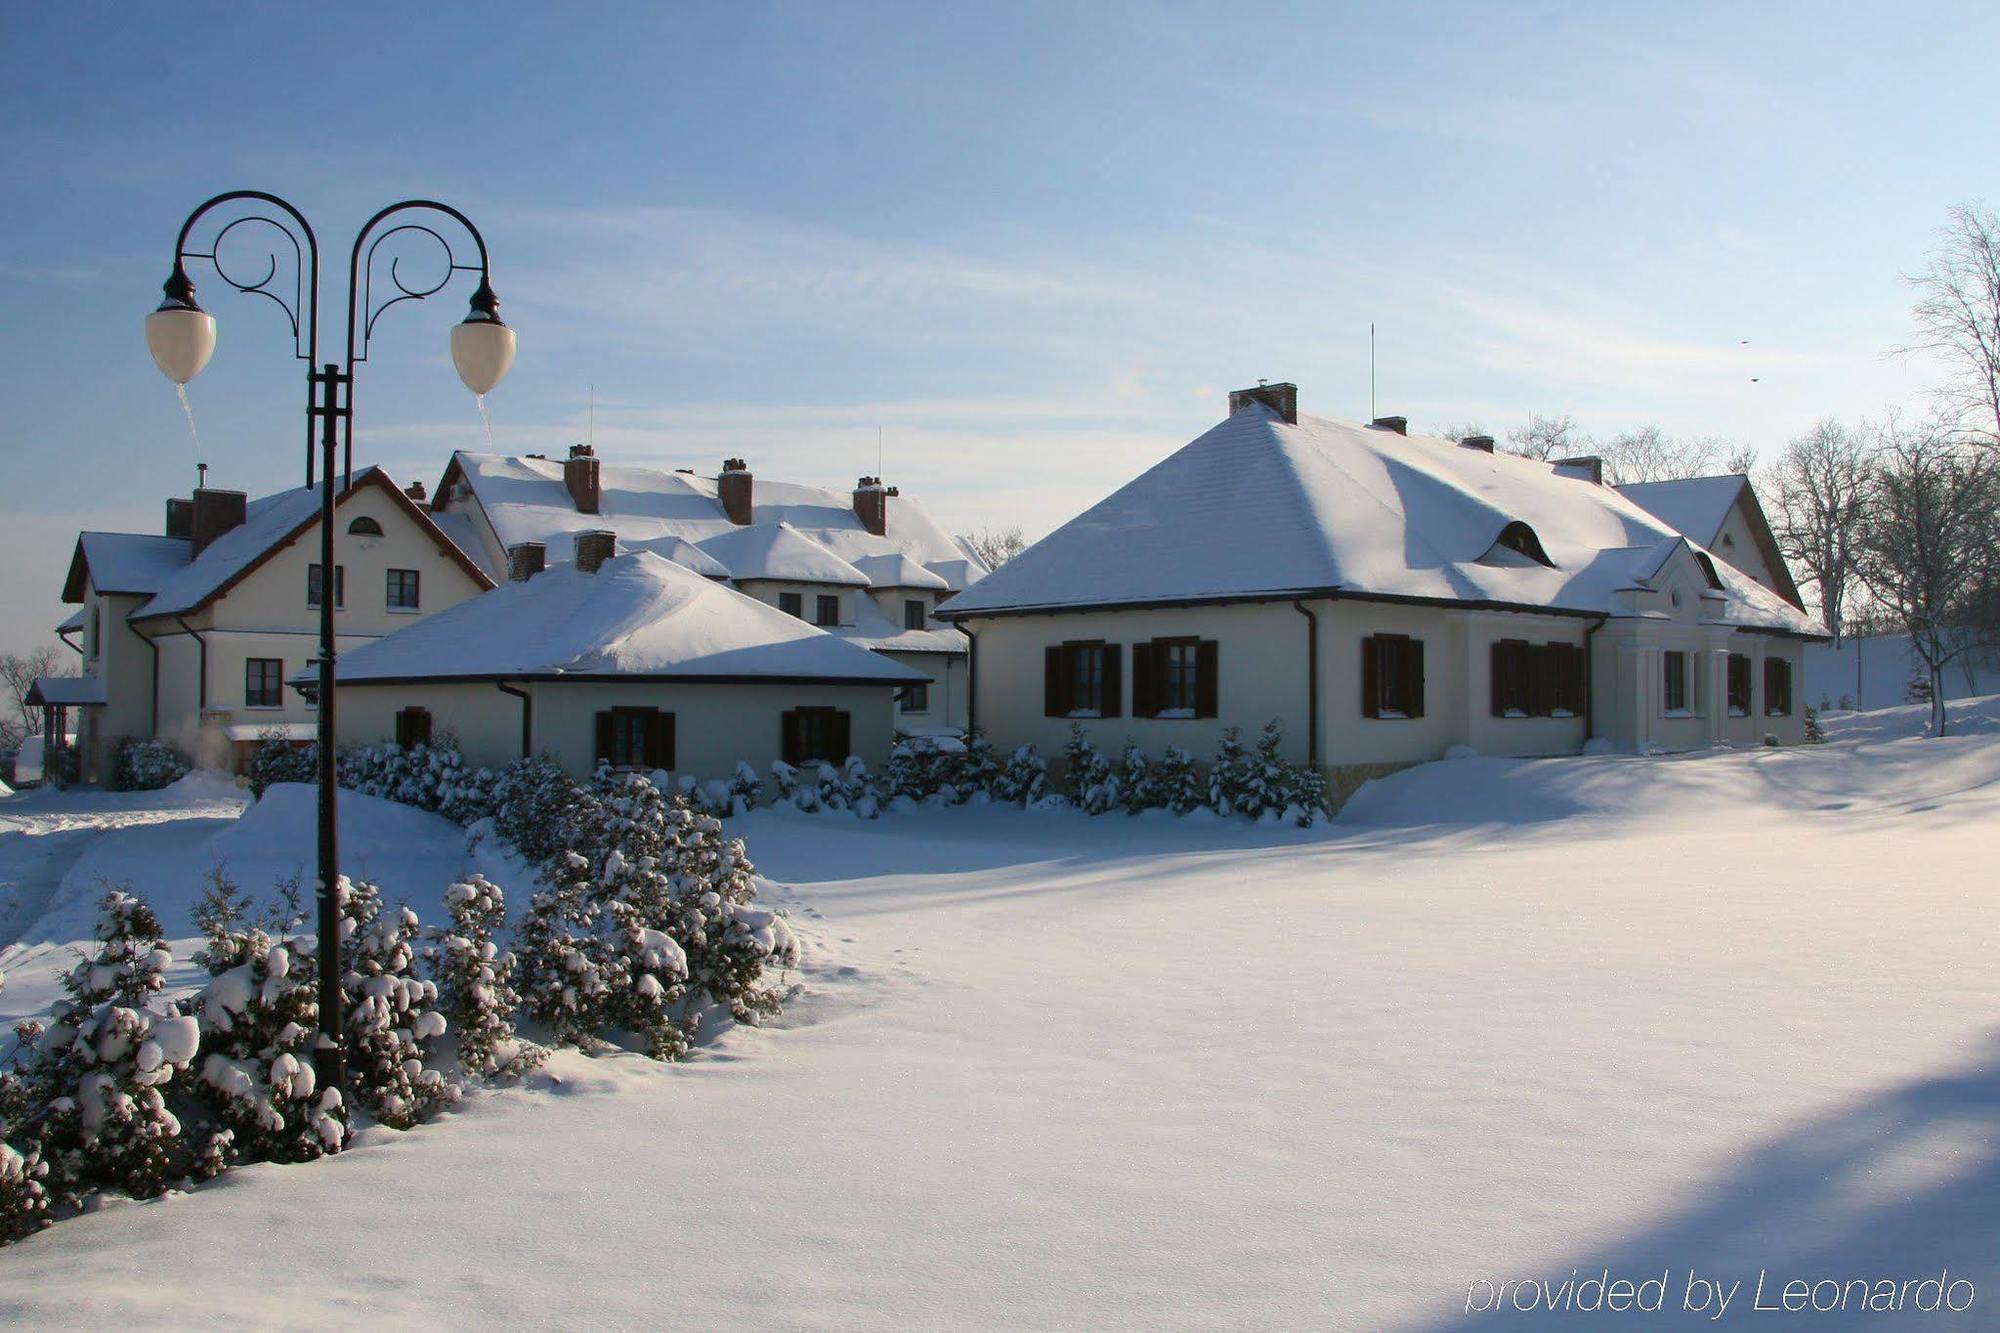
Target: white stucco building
{"type": "Point", "coordinates": [189, 636]}
{"type": "Point", "coordinates": [870, 566]}
{"type": "Point", "coordinates": [635, 660]}
{"type": "Point", "coordinates": [1386, 597]}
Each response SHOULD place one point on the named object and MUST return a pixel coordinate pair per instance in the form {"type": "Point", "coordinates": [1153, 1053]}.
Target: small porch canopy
{"type": "Point", "coordinates": [66, 692]}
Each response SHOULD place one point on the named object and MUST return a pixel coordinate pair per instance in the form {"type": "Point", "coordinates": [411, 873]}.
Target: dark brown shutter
{"type": "Point", "coordinates": [660, 740]}
{"type": "Point", "coordinates": [1114, 682]}
{"type": "Point", "coordinates": [1371, 678]}
{"type": "Point", "coordinates": [838, 730]}
{"type": "Point", "coordinates": [1055, 684]}
{"type": "Point", "coordinates": [788, 736]}
{"type": "Point", "coordinates": [1544, 678]}
{"type": "Point", "coordinates": [1502, 664]}
{"type": "Point", "coordinates": [1413, 662]}
{"type": "Point", "coordinates": [603, 738]}
{"type": "Point", "coordinates": [1206, 685]}
{"type": "Point", "coordinates": [1145, 680]}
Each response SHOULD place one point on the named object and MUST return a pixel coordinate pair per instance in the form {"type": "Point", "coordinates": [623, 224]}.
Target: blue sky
{"type": "Point", "coordinates": [1033, 244]}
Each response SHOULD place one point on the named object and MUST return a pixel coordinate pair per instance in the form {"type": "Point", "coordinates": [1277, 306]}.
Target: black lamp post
{"type": "Point", "coordinates": [181, 337]}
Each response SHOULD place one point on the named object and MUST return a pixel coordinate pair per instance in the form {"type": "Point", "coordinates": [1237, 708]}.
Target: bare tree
{"type": "Point", "coordinates": [18, 674]}
{"type": "Point", "coordinates": [1650, 454]}
{"type": "Point", "coordinates": [1819, 492]}
{"type": "Point", "coordinates": [1548, 437]}
{"type": "Point", "coordinates": [996, 546]}
{"type": "Point", "coordinates": [1462, 430]}
{"type": "Point", "coordinates": [1927, 550]}
{"type": "Point", "coordinates": [1958, 315]}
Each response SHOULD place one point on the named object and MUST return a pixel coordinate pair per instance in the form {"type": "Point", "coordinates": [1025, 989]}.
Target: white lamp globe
{"type": "Point", "coordinates": [482, 349]}
{"type": "Point", "coordinates": [181, 339]}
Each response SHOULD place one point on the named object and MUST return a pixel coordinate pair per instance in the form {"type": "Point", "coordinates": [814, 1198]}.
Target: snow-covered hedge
{"type": "Point", "coordinates": [279, 760]}
{"type": "Point", "coordinates": [149, 765]}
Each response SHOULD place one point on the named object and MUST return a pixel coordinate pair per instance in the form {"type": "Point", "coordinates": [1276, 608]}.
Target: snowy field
{"type": "Point", "coordinates": [1733, 1013]}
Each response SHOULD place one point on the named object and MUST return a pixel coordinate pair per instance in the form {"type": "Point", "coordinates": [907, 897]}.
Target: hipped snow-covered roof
{"type": "Point", "coordinates": [66, 691]}
{"type": "Point", "coordinates": [1257, 506]}
{"type": "Point", "coordinates": [526, 500]}
{"type": "Point", "coordinates": [898, 571]}
{"type": "Point", "coordinates": [780, 551]}
{"type": "Point", "coordinates": [639, 616]}
{"type": "Point", "coordinates": [123, 562]}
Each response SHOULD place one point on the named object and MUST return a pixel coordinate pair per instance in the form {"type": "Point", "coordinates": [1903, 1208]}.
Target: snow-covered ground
{"type": "Point", "coordinates": [1735, 1012]}
{"type": "Point", "coordinates": [1875, 673]}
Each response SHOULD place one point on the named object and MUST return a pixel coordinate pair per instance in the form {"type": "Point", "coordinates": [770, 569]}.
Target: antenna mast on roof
{"type": "Point", "coordinates": [201, 476]}
{"type": "Point", "coordinates": [1371, 370]}
{"type": "Point", "coordinates": [590, 430]}
{"type": "Point", "coordinates": [878, 451]}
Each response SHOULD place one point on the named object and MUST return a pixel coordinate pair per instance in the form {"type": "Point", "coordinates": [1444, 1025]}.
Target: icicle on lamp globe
{"type": "Point", "coordinates": [482, 346]}
{"type": "Point", "coordinates": [180, 334]}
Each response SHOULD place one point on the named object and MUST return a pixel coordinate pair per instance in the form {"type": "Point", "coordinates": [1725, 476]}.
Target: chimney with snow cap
{"type": "Point", "coordinates": [593, 549]}
{"type": "Point", "coordinates": [525, 560]}
{"type": "Point", "coordinates": [215, 512]}
{"type": "Point", "coordinates": [1483, 443]}
{"type": "Point", "coordinates": [1280, 398]}
{"type": "Point", "coordinates": [871, 505]}
{"type": "Point", "coordinates": [1401, 425]}
{"type": "Point", "coordinates": [733, 488]}
{"type": "Point", "coordinates": [580, 475]}
{"type": "Point", "coordinates": [1588, 468]}
{"type": "Point", "coordinates": [180, 518]}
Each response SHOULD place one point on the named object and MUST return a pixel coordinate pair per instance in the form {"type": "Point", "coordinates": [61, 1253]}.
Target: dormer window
{"type": "Point", "coordinates": [364, 527]}
{"type": "Point", "coordinates": [1707, 563]}
{"type": "Point", "coordinates": [1516, 543]}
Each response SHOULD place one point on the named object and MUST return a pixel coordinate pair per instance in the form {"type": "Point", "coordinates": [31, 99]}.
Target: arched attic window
{"type": "Point", "coordinates": [1519, 539]}
{"type": "Point", "coordinates": [364, 527]}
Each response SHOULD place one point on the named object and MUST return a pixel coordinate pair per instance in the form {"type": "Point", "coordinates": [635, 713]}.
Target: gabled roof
{"type": "Point", "coordinates": [130, 563]}
{"type": "Point", "coordinates": [1259, 507]}
{"type": "Point", "coordinates": [526, 500]}
{"type": "Point", "coordinates": [269, 525]}
{"type": "Point", "coordinates": [874, 628]}
{"type": "Point", "coordinates": [898, 571]}
{"type": "Point", "coordinates": [639, 616]}
{"type": "Point", "coordinates": [780, 551]}
{"type": "Point", "coordinates": [1700, 506]}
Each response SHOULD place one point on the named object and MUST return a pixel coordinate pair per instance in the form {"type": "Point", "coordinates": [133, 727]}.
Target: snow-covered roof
{"type": "Point", "coordinates": [898, 571]}
{"type": "Point", "coordinates": [874, 628]}
{"type": "Point", "coordinates": [71, 622]}
{"type": "Point", "coordinates": [267, 523]}
{"type": "Point", "coordinates": [526, 500]}
{"type": "Point", "coordinates": [124, 562]}
{"type": "Point", "coordinates": [67, 691]}
{"type": "Point", "coordinates": [1257, 506]}
{"type": "Point", "coordinates": [639, 615]}
{"type": "Point", "coordinates": [1697, 506]}
{"type": "Point", "coordinates": [780, 551]}
{"type": "Point", "coordinates": [689, 556]}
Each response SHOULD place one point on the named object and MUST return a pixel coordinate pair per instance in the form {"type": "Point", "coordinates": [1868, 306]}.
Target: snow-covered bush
{"type": "Point", "coordinates": [1078, 753]}
{"type": "Point", "coordinates": [433, 777]}
{"type": "Point", "coordinates": [1138, 785]}
{"type": "Point", "coordinates": [537, 807]}
{"type": "Point", "coordinates": [1091, 780]}
{"type": "Point", "coordinates": [149, 765]}
{"type": "Point", "coordinates": [279, 760]}
{"type": "Point", "coordinates": [24, 1193]}
{"type": "Point", "coordinates": [475, 983]}
{"type": "Point", "coordinates": [918, 769]}
{"type": "Point", "coordinates": [1025, 780]}
{"type": "Point", "coordinates": [1815, 733]}
{"type": "Point", "coordinates": [858, 790]}
{"type": "Point", "coordinates": [91, 1086]}
{"type": "Point", "coordinates": [391, 1023]}
{"type": "Point", "coordinates": [1180, 786]}
{"type": "Point", "coordinates": [728, 940]}
{"type": "Point", "coordinates": [1229, 775]}
{"type": "Point", "coordinates": [976, 769]}
{"type": "Point", "coordinates": [259, 1014]}
{"type": "Point", "coordinates": [568, 970]}
{"type": "Point", "coordinates": [744, 788]}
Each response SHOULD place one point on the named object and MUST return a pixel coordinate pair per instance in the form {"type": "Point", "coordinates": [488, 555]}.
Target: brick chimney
{"type": "Point", "coordinates": [871, 505]}
{"type": "Point", "coordinates": [1280, 398]}
{"type": "Point", "coordinates": [415, 490]}
{"type": "Point", "coordinates": [215, 512]}
{"type": "Point", "coordinates": [593, 549]}
{"type": "Point", "coordinates": [180, 518]}
{"type": "Point", "coordinates": [1587, 468]}
{"type": "Point", "coordinates": [1401, 425]}
{"type": "Point", "coordinates": [1483, 443]}
{"type": "Point", "coordinates": [580, 475]}
{"type": "Point", "coordinates": [525, 560]}
{"type": "Point", "coordinates": [733, 486]}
